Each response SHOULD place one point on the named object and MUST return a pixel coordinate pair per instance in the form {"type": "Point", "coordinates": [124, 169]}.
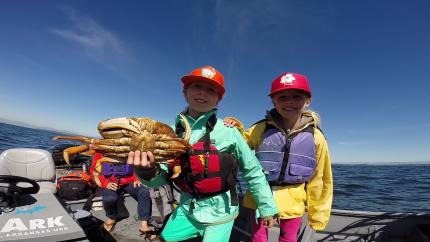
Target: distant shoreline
{"type": "Point", "coordinates": [29, 126]}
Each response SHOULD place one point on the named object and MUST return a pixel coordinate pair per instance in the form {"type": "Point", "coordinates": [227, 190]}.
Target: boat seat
{"type": "Point", "coordinates": [35, 164]}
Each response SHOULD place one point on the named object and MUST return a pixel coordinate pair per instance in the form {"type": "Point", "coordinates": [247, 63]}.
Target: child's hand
{"type": "Point", "coordinates": [269, 221]}
{"type": "Point", "coordinates": [137, 183]}
{"type": "Point", "coordinates": [234, 123]}
{"type": "Point", "coordinates": [231, 122]}
{"type": "Point", "coordinates": [139, 159]}
{"type": "Point", "coordinates": [112, 186]}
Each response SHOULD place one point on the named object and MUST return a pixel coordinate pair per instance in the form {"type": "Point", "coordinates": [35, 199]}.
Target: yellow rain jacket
{"type": "Point", "coordinates": [317, 193]}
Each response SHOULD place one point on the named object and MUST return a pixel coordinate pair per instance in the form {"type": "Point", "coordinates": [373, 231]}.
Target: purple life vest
{"type": "Point", "coordinates": [287, 160]}
{"type": "Point", "coordinates": [116, 169]}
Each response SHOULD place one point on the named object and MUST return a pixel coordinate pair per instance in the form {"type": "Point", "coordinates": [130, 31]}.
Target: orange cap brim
{"type": "Point", "coordinates": [188, 79]}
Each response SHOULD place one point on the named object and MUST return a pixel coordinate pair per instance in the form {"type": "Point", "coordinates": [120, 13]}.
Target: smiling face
{"type": "Point", "coordinates": [201, 97]}
{"type": "Point", "coordinates": [290, 104]}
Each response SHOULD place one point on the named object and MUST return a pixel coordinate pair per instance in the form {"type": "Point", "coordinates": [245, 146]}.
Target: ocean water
{"type": "Point", "coordinates": [386, 188]}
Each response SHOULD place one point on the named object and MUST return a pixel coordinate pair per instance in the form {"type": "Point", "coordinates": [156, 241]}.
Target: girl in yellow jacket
{"type": "Point", "coordinates": [295, 158]}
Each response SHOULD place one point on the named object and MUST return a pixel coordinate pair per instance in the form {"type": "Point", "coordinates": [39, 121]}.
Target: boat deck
{"type": "Point", "coordinates": [344, 225]}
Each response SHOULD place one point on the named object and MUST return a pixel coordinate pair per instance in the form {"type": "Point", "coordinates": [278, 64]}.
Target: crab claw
{"type": "Point", "coordinates": [73, 150]}
{"type": "Point", "coordinates": [89, 152]}
{"type": "Point", "coordinates": [118, 127]}
{"type": "Point", "coordinates": [175, 166]}
{"type": "Point", "coordinates": [83, 149]}
{"type": "Point", "coordinates": [176, 171]}
{"type": "Point", "coordinates": [187, 128]}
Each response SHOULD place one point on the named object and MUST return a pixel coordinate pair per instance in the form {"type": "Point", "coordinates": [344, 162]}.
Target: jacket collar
{"type": "Point", "coordinates": [200, 121]}
{"type": "Point", "coordinates": [307, 118]}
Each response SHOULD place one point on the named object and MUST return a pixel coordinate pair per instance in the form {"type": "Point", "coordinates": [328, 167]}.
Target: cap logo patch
{"type": "Point", "coordinates": [208, 73]}
{"type": "Point", "coordinates": [287, 79]}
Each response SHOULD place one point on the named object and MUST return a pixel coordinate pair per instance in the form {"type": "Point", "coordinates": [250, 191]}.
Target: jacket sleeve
{"type": "Point", "coordinates": [254, 176]}
{"type": "Point", "coordinates": [320, 187]}
{"type": "Point", "coordinates": [253, 135]}
{"type": "Point", "coordinates": [103, 181]}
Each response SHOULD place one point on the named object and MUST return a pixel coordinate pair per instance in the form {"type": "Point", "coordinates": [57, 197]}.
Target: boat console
{"type": "Point", "coordinates": [29, 210]}
{"type": "Point", "coordinates": [35, 217]}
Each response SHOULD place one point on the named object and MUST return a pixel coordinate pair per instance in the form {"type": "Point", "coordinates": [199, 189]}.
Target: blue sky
{"type": "Point", "coordinates": [69, 64]}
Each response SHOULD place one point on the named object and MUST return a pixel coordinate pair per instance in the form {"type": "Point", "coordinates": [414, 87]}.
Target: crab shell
{"type": "Point", "coordinates": [122, 135]}
{"type": "Point", "coordinates": [126, 127]}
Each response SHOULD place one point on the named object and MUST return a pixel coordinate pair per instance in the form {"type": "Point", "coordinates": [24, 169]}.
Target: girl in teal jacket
{"type": "Point", "coordinates": [211, 217]}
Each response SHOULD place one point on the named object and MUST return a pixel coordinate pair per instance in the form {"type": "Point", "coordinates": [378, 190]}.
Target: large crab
{"type": "Point", "coordinates": [122, 135]}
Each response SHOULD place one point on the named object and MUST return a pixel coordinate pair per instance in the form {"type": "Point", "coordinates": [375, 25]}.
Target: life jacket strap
{"type": "Point", "coordinates": [191, 178]}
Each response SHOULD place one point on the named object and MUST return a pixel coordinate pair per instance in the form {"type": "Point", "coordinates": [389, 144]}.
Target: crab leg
{"type": "Point", "coordinates": [77, 138]}
{"type": "Point", "coordinates": [176, 167]}
{"type": "Point", "coordinates": [176, 171]}
{"type": "Point", "coordinates": [109, 160]}
{"type": "Point", "coordinates": [174, 143]}
{"type": "Point", "coordinates": [110, 148]}
{"type": "Point", "coordinates": [119, 141]}
{"type": "Point", "coordinates": [170, 152]}
{"type": "Point", "coordinates": [73, 150]}
{"type": "Point", "coordinates": [77, 149]}
{"type": "Point", "coordinates": [187, 128]}
{"type": "Point", "coordinates": [173, 146]}
{"type": "Point", "coordinates": [88, 153]}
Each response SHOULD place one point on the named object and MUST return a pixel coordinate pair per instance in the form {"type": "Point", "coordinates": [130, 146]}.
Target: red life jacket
{"type": "Point", "coordinates": [204, 170]}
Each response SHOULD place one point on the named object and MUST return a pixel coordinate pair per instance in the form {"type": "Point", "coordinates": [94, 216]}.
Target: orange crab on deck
{"type": "Point", "coordinates": [122, 135]}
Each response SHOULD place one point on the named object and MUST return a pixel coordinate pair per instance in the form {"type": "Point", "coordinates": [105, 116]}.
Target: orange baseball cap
{"type": "Point", "coordinates": [208, 74]}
